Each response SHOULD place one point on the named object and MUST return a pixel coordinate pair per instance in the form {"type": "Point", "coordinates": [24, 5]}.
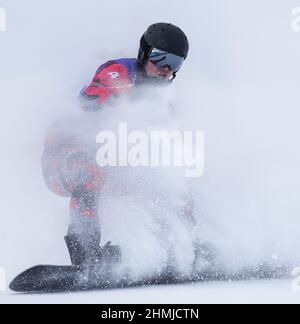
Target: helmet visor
{"type": "Point", "coordinates": [164, 59]}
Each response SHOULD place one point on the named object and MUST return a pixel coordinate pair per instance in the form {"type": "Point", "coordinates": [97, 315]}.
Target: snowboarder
{"type": "Point", "coordinates": [70, 169]}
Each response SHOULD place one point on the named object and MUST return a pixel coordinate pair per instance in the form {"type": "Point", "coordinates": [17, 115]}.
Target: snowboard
{"type": "Point", "coordinates": [52, 278]}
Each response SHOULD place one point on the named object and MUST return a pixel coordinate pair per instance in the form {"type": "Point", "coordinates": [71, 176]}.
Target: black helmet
{"type": "Point", "coordinates": [166, 37]}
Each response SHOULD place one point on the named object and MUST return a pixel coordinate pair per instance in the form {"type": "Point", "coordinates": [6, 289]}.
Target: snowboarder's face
{"type": "Point", "coordinates": [153, 71]}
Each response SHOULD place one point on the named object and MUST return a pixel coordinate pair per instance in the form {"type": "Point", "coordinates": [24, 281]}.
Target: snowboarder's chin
{"type": "Point", "coordinates": [158, 80]}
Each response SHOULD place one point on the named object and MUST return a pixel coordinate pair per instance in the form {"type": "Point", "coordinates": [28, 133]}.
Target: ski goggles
{"type": "Point", "coordinates": [164, 59]}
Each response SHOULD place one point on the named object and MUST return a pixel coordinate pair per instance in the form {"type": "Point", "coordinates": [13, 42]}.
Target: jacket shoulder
{"type": "Point", "coordinates": [113, 69]}
{"type": "Point", "coordinates": [111, 79]}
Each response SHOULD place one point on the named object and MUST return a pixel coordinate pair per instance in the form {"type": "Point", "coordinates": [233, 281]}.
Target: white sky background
{"type": "Point", "coordinates": [239, 85]}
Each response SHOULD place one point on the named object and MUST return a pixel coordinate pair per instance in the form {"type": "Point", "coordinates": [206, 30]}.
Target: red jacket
{"type": "Point", "coordinates": [111, 79]}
